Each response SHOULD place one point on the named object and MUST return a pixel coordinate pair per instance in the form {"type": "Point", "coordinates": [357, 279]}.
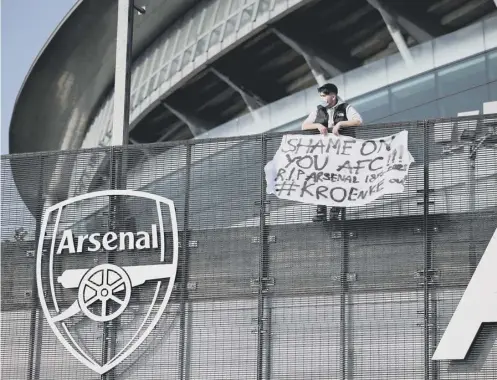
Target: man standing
{"type": "Point", "coordinates": [334, 115]}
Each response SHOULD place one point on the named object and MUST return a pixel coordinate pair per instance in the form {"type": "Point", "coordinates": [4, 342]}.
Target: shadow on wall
{"type": "Point", "coordinates": [478, 354]}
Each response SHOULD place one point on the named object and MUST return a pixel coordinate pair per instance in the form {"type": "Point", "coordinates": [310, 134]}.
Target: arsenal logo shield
{"type": "Point", "coordinates": [100, 257]}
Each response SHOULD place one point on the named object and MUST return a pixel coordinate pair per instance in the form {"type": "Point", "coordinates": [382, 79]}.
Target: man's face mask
{"type": "Point", "coordinates": [326, 99]}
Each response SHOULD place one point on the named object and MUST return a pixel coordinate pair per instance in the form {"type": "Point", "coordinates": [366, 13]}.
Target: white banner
{"type": "Point", "coordinates": [338, 170]}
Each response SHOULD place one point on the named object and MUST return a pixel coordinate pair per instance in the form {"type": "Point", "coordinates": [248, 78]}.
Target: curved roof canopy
{"type": "Point", "coordinates": [69, 77]}
{"type": "Point", "coordinates": [75, 69]}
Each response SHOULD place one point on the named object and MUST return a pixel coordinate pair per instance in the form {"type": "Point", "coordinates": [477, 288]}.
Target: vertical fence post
{"type": "Point", "coordinates": [427, 249]}
{"type": "Point", "coordinates": [344, 290]}
{"type": "Point", "coordinates": [263, 272]}
{"type": "Point", "coordinates": [183, 351]}
{"type": "Point", "coordinates": [35, 325]}
{"type": "Point", "coordinates": [473, 260]}
{"type": "Point", "coordinates": [430, 306]}
{"type": "Point", "coordinates": [116, 220]}
{"type": "Point", "coordinates": [265, 264]}
{"type": "Point", "coordinates": [110, 327]}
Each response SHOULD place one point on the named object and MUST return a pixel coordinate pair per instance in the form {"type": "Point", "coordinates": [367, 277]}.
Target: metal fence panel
{"type": "Point", "coordinates": [261, 291]}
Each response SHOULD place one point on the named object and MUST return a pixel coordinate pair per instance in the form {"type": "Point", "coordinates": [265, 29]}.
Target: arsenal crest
{"type": "Point", "coordinates": [99, 255]}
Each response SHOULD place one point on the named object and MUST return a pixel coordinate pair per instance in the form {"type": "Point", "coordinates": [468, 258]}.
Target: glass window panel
{"type": "Point", "coordinates": [230, 26]}
{"type": "Point", "coordinates": [422, 54]}
{"type": "Point", "coordinates": [235, 5]}
{"type": "Point", "coordinates": [465, 42]}
{"type": "Point", "coordinates": [373, 106]}
{"type": "Point", "coordinates": [187, 56]}
{"type": "Point", "coordinates": [134, 100]}
{"type": "Point", "coordinates": [162, 46]}
{"type": "Point", "coordinates": [470, 100]}
{"type": "Point", "coordinates": [135, 75]}
{"type": "Point", "coordinates": [152, 85]}
{"type": "Point", "coordinates": [193, 35]}
{"type": "Point", "coordinates": [154, 65]}
{"type": "Point", "coordinates": [194, 28]}
{"type": "Point", "coordinates": [201, 46]}
{"type": "Point", "coordinates": [425, 111]}
{"type": "Point", "coordinates": [209, 17]}
{"type": "Point", "coordinates": [169, 48]}
{"type": "Point", "coordinates": [493, 91]}
{"type": "Point", "coordinates": [492, 66]}
{"type": "Point", "coordinates": [222, 10]}
{"type": "Point", "coordinates": [263, 6]}
{"type": "Point", "coordinates": [182, 37]}
{"type": "Point", "coordinates": [174, 66]}
{"type": "Point", "coordinates": [215, 36]}
{"type": "Point", "coordinates": [365, 79]}
{"type": "Point", "coordinates": [246, 16]}
{"type": "Point", "coordinates": [462, 76]}
{"type": "Point", "coordinates": [490, 32]}
{"type": "Point", "coordinates": [413, 92]}
{"type": "Point", "coordinates": [146, 67]}
{"type": "Point", "coordinates": [143, 93]}
{"type": "Point", "coordinates": [163, 74]}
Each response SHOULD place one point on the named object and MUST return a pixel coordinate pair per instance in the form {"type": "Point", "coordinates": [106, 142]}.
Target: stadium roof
{"type": "Point", "coordinates": [322, 37]}
{"type": "Point", "coordinates": [74, 71]}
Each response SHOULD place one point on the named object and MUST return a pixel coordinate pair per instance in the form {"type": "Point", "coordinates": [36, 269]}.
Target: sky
{"type": "Point", "coordinates": [25, 26]}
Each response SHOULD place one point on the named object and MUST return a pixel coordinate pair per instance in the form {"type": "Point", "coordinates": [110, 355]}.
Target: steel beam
{"type": "Point", "coordinates": [252, 101]}
{"type": "Point", "coordinates": [171, 131]}
{"type": "Point", "coordinates": [320, 66]}
{"type": "Point", "coordinates": [195, 125]}
{"type": "Point", "coordinates": [337, 62]}
{"type": "Point", "coordinates": [463, 11]}
{"type": "Point", "coordinates": [394, 30]}
{"type": "Point", "coordinates": [421, 27]}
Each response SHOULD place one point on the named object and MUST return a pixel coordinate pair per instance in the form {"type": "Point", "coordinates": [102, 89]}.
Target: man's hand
{"type": "Point", "coordinates": [322, 129]}
{"type": "Point", "coordinates": [336, 128]}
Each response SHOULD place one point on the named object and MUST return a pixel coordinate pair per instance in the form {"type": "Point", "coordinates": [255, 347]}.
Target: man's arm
{"type": "Point", "coordinates": [309, 124]}
{"type": "Point", "coordinates": [355, 120]}
{"type": "Point", "coordinates": [350, 123]}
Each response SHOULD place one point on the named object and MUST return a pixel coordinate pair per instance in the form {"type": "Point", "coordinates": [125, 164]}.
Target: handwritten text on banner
{"type": "Point", "coordinates": [338, 171]}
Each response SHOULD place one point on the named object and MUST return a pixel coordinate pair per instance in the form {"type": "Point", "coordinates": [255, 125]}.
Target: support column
{"type": "Point", "coordinates": [185, 304]}
{"type": "Point", "coordinates": [195, 125]}
{"type": "Point", "coordinates": [317, 71]}
{"type": "Point", "coordinates": [252, 101]}
{"type": "Point", "coordinates": [118, 157]}
{"type": "Point", "coordinates": [421, 26]}
{"type": "Point", "coordinates": [122, 81]}
{"type": "Point", "coordinates": [394, 30]}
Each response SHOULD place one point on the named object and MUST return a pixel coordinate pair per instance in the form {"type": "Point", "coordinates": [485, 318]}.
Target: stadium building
{"type": "Point", "coordinates": [230, 67]}
{"type": "Point", "coordinates": [261, 292]}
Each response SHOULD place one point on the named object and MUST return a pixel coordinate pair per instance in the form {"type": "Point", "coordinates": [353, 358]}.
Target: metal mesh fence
{"type": "Point", "coordinates": [261, 291]}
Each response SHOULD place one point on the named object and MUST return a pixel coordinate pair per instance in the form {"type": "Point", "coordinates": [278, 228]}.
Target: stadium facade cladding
{"type": "Point", "coordinates": [188, 55]}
